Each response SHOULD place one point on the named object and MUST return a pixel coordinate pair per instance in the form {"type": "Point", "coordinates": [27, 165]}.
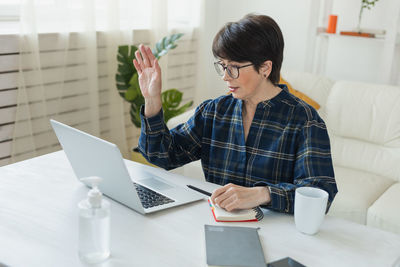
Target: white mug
{"type": "Point", "coordinates": [309, 209]}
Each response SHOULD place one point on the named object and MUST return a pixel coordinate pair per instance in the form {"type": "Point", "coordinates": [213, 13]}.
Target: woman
{"type": "Point", "coordinates": [260, 141]}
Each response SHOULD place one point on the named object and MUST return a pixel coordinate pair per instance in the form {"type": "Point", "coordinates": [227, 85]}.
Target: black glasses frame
{"type": "Point", "coordinates": [228, 68]}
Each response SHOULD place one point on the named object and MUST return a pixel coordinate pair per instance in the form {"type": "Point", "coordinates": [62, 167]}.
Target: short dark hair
{"type": "Point", "coordinates": [254, 38]}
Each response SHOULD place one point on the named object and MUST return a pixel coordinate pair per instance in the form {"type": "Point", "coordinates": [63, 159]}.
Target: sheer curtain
{"type": "Point", "coordinates": [68, 63]}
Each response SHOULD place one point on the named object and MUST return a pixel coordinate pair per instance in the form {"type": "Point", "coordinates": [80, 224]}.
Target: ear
{"type": "Point", "coordinates": [266, 68]}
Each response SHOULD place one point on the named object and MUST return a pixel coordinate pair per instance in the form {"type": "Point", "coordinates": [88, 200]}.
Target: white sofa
{"type": "Point", "coordinates": [363, 121]}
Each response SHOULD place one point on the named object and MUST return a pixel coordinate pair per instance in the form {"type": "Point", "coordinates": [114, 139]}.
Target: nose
{"type": "Point", "coordinates": [226, 76]}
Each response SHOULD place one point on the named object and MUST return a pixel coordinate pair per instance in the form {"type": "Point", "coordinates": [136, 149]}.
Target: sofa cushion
{"type": "Point", "coordinates": [315, 86]}
{"type": "Point", "coordinates": [365, 156]}
{"type": "Point", "coordinates": [357, 191]}
{"type": "Point", "coordinates": [299, 94]}
{"type": "Point", "coordinates": [385, 212]}
{"type": "Point", "coordinates": [364, 125]}
{"type": "Point", "coordinates": [182, 118]}
{"type": "Point", "coordinates": [367, 112]}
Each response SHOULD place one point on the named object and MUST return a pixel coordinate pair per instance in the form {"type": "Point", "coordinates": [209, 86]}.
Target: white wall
{"type": "Point", "coordinates": [364, 59]}
{"type": "Point", "coordinates": [292, 17]}
{"type": "Point", "coordinates": [347, 58]}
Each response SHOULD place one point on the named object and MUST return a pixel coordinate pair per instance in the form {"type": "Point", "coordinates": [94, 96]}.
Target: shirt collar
{"type": "Point", "coordinates": [273, 101]}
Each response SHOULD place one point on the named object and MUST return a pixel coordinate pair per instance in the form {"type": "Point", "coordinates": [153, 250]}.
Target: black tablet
{"type": "Point", "coordinates": [285, 262]}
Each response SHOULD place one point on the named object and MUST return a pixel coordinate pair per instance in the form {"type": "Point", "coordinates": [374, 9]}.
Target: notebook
{"type": "Point", "coordinates": [233, 246]}
{"type": "Point", "coordinates": [247, 215]}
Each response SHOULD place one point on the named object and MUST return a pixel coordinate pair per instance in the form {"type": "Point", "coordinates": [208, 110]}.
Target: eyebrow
{"type": "Point", "coordinates": [228, 62]}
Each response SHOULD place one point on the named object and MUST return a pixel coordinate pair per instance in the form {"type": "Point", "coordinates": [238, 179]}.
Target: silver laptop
{"type": "Point", "coordinates": [142, 191]}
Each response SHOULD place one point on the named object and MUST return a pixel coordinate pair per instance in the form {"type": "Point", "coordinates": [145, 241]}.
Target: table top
{"type": "Point", "coordinates": [39, 226]}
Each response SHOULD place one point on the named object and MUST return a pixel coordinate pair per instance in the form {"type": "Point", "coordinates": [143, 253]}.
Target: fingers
{"type": "Point", "coordinates": [137, 66]}
{"type": "Point", "coordinates": [139, 60]}
{"type": "Point", "coordinates": [155, 65]}
{"type": "Point", "coordinates": [221, 194]}
{"type": "Point", "coordinates": [144, 52]}
{"type": "Point", "coordinates": [145, 59]}
{"type": "Point", "coordinates": [230, 203]}
{"type": "Point", "coordinates": [231, 197]}
{"type": "Point", "coordinates": [150, 54]}
{"type": "Point", "coordinates": [217, 193]}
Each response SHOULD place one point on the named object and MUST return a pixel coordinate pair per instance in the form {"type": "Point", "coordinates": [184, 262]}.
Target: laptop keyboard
{"type": "Point", "coordinates": [150, 198]}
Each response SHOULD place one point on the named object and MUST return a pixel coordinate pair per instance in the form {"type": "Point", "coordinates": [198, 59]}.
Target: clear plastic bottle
{"type": "Point", "coordinates": [94, 225]}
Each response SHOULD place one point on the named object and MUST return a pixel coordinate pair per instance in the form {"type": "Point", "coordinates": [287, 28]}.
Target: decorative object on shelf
{"type": "Point", "coordinates": [369, 33]}
{"type": "Point", "coordinates": [332, 24]}
{"type": "Point", "coordinates": [128, 83]}
{"type": "Point", "coordinates": [364, 4]}
{"type": "Point", "coordinates": [359, 34]}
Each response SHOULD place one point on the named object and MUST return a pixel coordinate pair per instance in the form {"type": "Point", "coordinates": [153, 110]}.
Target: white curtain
{"type": "Point", "coordinates": [68, 51]}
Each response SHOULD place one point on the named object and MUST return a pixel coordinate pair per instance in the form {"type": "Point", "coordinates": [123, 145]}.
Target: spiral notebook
{"type": "Point", "coordinates": [247, 215]}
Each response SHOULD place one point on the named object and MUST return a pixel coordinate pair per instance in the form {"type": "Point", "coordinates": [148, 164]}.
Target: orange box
{"type": "Point", "coordinates": [332, 24]}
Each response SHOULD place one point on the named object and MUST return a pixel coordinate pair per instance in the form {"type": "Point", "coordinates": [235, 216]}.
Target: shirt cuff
{"type": "Point", "coordinates": [152, 124]}
{"type": "Point", "coordinates": [278, 197]}
{"type": "Point", "coordinates": [269, 205]}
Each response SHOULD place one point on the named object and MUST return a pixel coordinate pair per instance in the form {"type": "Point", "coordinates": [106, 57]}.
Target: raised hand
{"type": "Point", "coordinates": [149, 79]}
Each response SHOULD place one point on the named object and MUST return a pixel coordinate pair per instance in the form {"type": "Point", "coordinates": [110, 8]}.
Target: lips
{"type": "Point", "coordinates": [232, 88]}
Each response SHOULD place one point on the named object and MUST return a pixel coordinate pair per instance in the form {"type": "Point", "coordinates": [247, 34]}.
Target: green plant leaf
{"type": "Point", "coordinates": [165, 44]}
{"type": "Point", "coordinates": [171, 100]}
{"type": "Point", "coordinates": [172, 97]}
{"type": "Point", "coordinates": [120, 78]}
{"type": "Point", "coordinates": [166, 41]}
{"type": "Point", "coordinates": [175, 37]}
{"type": "Point", "coordinates": [128, 84]}
{"type": "Point", "coordinates": [125, 60]}
{"type": "Point", "coordinates": [125, 71]}
{"type": "Point", "coordinates": [134, 89]}
{"type": "Point", "coordinates": [135, 115]}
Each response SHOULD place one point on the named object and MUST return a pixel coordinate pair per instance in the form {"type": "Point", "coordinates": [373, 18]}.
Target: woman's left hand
{"type": "Point", "coordinates": [231, 197]}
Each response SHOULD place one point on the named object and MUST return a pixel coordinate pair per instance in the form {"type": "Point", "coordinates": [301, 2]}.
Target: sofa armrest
{"type": "Point", "coordinates": [182, 118]}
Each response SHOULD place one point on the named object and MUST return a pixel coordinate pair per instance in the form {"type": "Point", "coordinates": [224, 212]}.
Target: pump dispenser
{"type": "Point", "coordinates": [94, 224]}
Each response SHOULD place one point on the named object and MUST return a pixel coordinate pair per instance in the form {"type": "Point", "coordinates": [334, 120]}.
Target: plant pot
{"type": "Point", "coordinates": [137, 156]}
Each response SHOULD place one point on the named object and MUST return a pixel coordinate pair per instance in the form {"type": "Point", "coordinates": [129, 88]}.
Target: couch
{"type": "Point", "coordinates": [363, 121]}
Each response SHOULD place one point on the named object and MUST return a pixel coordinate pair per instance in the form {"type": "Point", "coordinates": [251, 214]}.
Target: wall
{"type": "Point", "coordinates": [364, 59]}
{"type": "Point", "coordinates": [292, 16]}
{"type": "Point", "coordinates": [351, 58]}
{"type": "Point", "coordinates": [181, 74]}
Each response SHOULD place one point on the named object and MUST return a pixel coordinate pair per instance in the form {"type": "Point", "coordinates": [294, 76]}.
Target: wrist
{"type": "Point", "coordinates": [152, 106]}
{"type": "Point", "coordinates": [265, 195]}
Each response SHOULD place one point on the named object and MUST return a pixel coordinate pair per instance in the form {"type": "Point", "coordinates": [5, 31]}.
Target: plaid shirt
{"type": "Point", "coordinates": [287, 146]}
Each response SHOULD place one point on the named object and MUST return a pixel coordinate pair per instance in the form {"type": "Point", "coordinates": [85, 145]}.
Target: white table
{"type": "Point", "coordinates": [38, 227]}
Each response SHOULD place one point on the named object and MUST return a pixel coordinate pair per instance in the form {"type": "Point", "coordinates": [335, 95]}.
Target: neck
{"type": "Point", "coordinates": [268, 91]}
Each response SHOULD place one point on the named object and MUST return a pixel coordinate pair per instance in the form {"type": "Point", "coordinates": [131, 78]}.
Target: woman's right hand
{"type": "Point", "coordinates": [149, 79]}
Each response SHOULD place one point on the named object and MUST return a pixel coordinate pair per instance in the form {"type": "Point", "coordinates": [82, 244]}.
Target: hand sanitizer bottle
{"type": "Point", "coordinates": [94, 224]}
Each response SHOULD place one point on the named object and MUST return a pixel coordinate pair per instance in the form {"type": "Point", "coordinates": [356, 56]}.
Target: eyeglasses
{"type": "Point", "coordinates": [233, 71]}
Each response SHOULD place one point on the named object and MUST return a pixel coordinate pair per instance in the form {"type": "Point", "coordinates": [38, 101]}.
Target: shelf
{"type": "Point", "coordinates": [336, 35]}
{"type": "Point", "coordinates": [376, 39]}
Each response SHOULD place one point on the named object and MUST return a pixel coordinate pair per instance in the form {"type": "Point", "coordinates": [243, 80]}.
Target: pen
{"type": "Point", "coordinates": [199, 190]}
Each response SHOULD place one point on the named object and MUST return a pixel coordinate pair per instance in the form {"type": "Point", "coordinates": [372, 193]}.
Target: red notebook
{"type": "Point", "coordinates": [247, 215]}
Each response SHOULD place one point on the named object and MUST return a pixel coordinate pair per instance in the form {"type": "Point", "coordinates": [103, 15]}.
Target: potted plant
{"type": "Point", "coordinates": [129, 90]}
{"type": "Point", "coordinates": [364, 4]}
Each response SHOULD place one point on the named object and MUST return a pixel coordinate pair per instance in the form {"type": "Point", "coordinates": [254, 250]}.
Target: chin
{"type": "Point", "coordinates": [237, 96]}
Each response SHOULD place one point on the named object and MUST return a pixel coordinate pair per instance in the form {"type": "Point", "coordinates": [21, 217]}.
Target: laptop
{"type": "Point", "coordinates": [137, 188]}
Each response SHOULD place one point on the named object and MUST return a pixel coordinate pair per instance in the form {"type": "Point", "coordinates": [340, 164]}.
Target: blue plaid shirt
{"type": "Point", "coordinates": [287, 146]}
